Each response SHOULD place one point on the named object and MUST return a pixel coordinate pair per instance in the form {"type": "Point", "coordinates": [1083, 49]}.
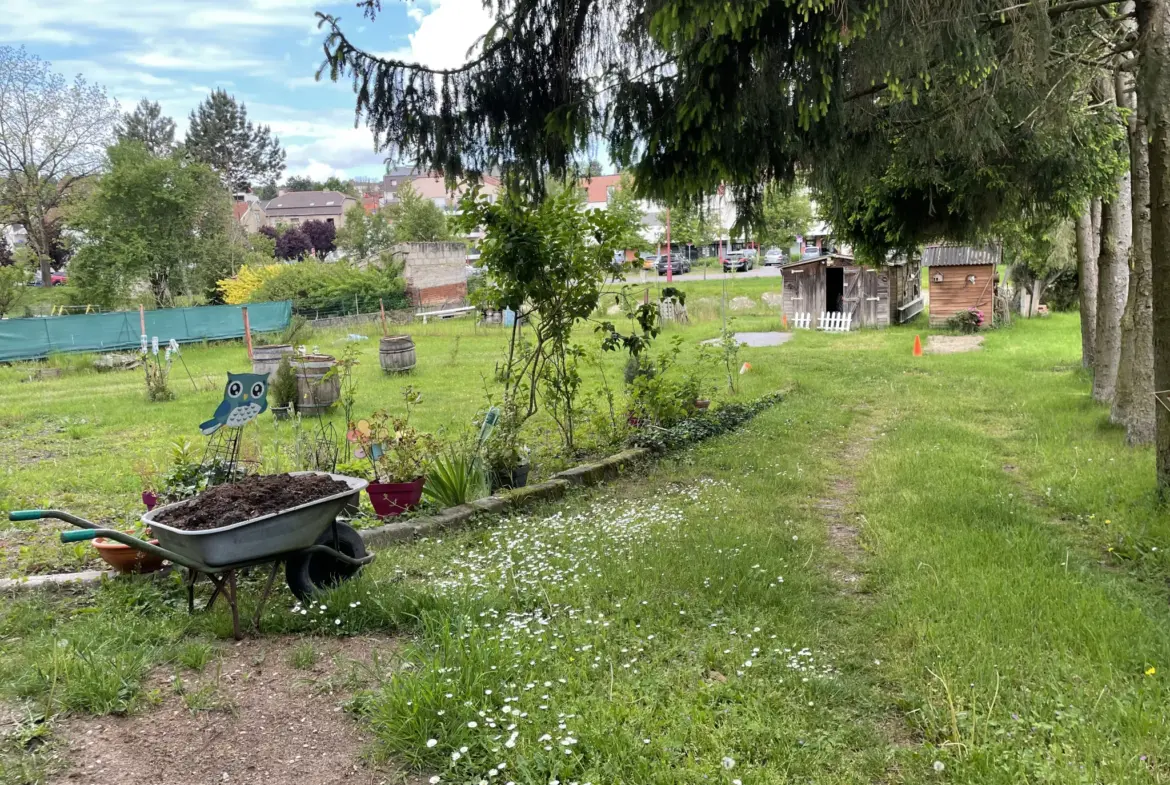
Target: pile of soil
{"type": "Point", "coordinates": [231, 503]}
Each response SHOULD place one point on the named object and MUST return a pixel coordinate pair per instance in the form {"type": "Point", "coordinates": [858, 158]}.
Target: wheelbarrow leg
{"type": "Point", "coordinates": [218, 581]}
{"type": "Point", "coordinates": [230, 595]}
{"type": "Point", "coordinates": [192, 576]}
{"type": "Point", "coordinates": [264, 596]}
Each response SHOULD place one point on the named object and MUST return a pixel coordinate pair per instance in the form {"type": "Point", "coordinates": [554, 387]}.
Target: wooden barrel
{"type": "Point", "coordinates": [396, 354]}
{"type": "Point", "coordinates": [315, 393]}
{"type": "Point", "coordinates": [266, 359]}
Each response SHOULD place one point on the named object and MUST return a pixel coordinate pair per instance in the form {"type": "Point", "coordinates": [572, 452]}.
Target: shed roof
{"type": "Point", "coordinates": [838, 258]}
{"type": "Point", "coordinates": [960, 255]}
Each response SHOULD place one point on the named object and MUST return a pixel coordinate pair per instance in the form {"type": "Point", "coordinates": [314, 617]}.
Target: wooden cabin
{"type": "Point", "coordinates": [961, 277]}
{"type": "Point", "coordinates": [871, 296]}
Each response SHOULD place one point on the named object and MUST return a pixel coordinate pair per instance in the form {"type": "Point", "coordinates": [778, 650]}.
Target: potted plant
{"type": "Point", "coordinates": [125, 559]}
{"type": "Point", "coordinates": [149, 474]}
{"type": "Point", "coordinates": [398, 455]}
{"type": "Point", "coordinates": [284, 390]}
{"type": "Point", "coordinates": [505, 455]}
{"type": "Point", "coordinates": [693, 385]}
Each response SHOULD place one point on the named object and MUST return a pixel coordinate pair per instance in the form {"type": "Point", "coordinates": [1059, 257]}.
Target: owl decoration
{"type": "Point", "coordinates": [244, 398]}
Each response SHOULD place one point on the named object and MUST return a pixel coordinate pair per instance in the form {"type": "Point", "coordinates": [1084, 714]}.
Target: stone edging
{"type": "Point", "coordinates": [586, 474]}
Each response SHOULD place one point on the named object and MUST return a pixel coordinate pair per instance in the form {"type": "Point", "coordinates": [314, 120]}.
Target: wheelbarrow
{"type": "Point", "coordinates": [317, 550]}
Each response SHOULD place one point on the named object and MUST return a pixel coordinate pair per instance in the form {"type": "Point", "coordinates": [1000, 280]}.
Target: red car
{"type": "Point", "coordinates": [58, 279]}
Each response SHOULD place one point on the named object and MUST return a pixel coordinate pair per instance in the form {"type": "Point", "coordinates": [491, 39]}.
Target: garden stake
{"type": "Point", "coordinates": [382, 308]}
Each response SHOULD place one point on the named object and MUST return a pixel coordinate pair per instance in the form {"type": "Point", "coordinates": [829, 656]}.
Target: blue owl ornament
{"type": "Point", "coordinates": [244, 399]}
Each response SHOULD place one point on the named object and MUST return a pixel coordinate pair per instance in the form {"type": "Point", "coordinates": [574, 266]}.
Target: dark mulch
{"type": "Point", "coordinates": [224, 505]}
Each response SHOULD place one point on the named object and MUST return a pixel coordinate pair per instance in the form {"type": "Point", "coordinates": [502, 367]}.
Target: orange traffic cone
{"type": "Point", "coordinates": [917, 346]}
{"type": "Point", "coordinates": [784, 321]}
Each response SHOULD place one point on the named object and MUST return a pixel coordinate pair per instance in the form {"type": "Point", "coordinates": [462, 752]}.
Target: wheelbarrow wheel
{"type": "Point", "coordinates": [308, 574]}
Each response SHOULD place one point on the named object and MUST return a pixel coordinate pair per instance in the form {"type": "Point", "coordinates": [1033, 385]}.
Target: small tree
{"type": "Point", "coordinates": [220, 135]}
{"type": "Point", "coordinates": [163, 222]}
{"type": "Point", "coordinates": [321, 234]}
{"type": "Point", "coordinates": [786, 213]}
{"type": "Point", "coordinates": [13, 289]}
{"type": "Point", "coordinates": [293, 244]}
{"type": "Point", "coordinates": [148, 125]}
{"type": "Point", "coordinates": [6, 259]}
{"type": "Point", "coordinates": [417, 219]}
{"type": "Point", "coordinates": [626, 209]}
{"type": "Point", "coordinates": [268, 192]}
{"type": "Point", "coordinates": [365, 235]}
{"type": "Point", "coordinates": [300, 183]}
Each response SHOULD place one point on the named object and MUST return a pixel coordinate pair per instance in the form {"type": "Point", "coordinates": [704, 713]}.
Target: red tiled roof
{"type": "Point", "coordinates": [597, 188]}
{"type": "Point", "coordinates": [370, 203]}
{"type": "Point", "coordinates": [238, 209]}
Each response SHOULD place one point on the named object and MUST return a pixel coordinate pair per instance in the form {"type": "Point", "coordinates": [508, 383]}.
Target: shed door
{"type": "Point", "coordinates": [852, 299]}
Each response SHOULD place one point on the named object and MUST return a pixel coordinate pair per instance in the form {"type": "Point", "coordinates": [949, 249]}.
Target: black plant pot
{"type": "Point", "coordinates": [516, 478]}
{"type": "Point", "coordinates": [282, 412]}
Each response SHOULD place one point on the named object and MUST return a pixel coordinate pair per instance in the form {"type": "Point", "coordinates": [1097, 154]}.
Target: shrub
{"type": "Point", "coordinates": [322, 236]}
{"type": "Point", "coordinates": [239, 288]}
{"type": "Point", "coordinates": [704, 425]}
{"type": "Point", "coordinates": [968, 321]}
{"type": "Point", "coordinates": [293, 244]}
{"type": "Point", "coordinates": [12, 288]}
{"type": "Point", "coordinates": [284, 385]}
{"type": "Point", "coordinates": [319, 286]}
{"type": "Point", "coordinates": [456, 477]}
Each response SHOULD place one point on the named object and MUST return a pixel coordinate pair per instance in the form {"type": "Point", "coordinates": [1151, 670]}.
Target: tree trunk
{"type": "Point", "coordinates": [1134, 404]}
{"type": "Point", "coordinates": [1087, 277]}
{"type": "Point", "coordinates": [1154, 89]}
{"type": "Point", "coordinates": [1112, 281]}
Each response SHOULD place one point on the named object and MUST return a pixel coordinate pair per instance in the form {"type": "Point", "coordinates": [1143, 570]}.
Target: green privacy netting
{"type": "Point", "coordinates": [28, 339]}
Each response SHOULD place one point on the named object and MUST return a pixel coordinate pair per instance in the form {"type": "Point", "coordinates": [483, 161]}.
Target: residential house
{"type": "Point", "coordinates": [296, 207]}
{"type": "Point", "coordinates": [249, 214]}
{"type": "Point", "coordinates": [395, 178]}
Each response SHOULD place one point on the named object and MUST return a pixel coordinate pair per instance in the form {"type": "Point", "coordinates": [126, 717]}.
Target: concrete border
{"type": "Point", "coordinates": [452, 518]}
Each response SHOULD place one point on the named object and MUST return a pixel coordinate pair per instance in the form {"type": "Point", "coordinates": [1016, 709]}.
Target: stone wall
{"type": "Point", "coordinates": [436, 273]}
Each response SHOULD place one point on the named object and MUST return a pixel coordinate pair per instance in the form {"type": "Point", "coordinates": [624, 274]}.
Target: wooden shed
{"type": "Point", "coordinates": [872, 296]}
{"type": "Point", "coordinates": [961, 277]}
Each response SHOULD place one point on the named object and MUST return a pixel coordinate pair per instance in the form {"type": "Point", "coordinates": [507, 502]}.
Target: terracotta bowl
{"type": "Point", "coordinates": [125, 559]}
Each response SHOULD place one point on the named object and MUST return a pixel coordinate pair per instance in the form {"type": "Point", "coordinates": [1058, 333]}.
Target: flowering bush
{"type": "Point", "coordinates": [968, 321]}
{"type": "Point", "coordinates": [238, 289]}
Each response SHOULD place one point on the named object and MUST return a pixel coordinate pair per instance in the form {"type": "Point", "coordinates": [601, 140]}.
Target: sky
{"type": "Point", "coordinates": [264, 52]}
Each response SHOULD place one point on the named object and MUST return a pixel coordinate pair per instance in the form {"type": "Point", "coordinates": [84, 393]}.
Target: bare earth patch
{"type": "Point", "coordinates": [953, 344]}
{"type": "Point", "coordinates": [250, 716]}
{"type": "Point", "coordinates": [844, 536]}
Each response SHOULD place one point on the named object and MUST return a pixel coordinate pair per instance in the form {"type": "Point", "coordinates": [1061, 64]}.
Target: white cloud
{"type": "Point", "coordinates": [445, 32]}
{"type": "Point", "coordinates": [183, 56]}
{"type": "Point", "coordinates": [315, 170]}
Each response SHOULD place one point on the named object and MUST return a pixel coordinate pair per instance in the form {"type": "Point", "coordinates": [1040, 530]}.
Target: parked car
{"type": "Point", "coordinates": [678, 265]}
{"type": "Point", "coordinates": [774, 257]}
{"type": "Point", "coordinates": [650, 261]}
{"type": "Point", "coordinates": [738, 261]}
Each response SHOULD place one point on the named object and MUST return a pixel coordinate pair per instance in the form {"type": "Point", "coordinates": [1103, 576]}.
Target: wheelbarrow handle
{"type": "Point", "coordinates": [61, 515]}
{"type": "Point", "coordinates": [133, 542]}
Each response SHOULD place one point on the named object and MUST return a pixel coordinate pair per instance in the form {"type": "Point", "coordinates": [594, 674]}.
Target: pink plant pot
{"type": "Point", "coordinates": [395, 498]}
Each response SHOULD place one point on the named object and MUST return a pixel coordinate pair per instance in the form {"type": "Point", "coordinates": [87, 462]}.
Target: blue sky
{"type": "Point", "coordinates": [264, 52]}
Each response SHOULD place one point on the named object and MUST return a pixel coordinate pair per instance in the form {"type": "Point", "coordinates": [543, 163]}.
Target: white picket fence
{"type": "Point", "coordinates": [830, 322]}
{"type": "Point", "coordinates": [835, 322]}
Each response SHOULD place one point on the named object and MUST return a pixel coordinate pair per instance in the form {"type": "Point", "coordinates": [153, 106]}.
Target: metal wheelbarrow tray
{"type": "Point", "coordinates": [318, 550]}
{"type": "Point", "coordinates": [255, 540]}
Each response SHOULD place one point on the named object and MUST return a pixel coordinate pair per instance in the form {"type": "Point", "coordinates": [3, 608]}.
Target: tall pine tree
{"type": "Point", "coordinates": [220, 135]}
{"type": "Point", "coordinates": [148, 125]}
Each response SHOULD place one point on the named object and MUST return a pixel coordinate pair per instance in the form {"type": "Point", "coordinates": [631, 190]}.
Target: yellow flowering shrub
{"type": "Point", "coordinates": [238, 289]}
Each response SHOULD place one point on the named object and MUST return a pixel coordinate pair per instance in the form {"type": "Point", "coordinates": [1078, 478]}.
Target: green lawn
{"type": "Point", "coordinates": [688, 624]}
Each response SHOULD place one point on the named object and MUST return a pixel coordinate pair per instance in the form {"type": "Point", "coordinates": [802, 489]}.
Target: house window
{"type": "Point", "coordinates": [610, 192]}
{"type": "Point", "coordinates": [328, 220]}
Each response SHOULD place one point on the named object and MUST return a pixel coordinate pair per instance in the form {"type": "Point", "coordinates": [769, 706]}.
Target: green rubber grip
{"type": "Point", "coordinates": [78, 535]}
{"type": "Point", "coordinates": [26, 515]}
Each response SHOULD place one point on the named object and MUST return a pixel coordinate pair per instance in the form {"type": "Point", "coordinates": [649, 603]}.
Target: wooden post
{"type": "Point", "coordinates": [669, 274]}
{"type": "Point", "coordinates": [247, 331]}
{"type": "Point", "coordinates": [142, 319]}
{"type": "Point", "coordinates": [382, 308]}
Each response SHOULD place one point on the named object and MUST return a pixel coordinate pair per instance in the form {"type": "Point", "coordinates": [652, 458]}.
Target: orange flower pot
{"type": "Point", "coordinates": [125, 559]}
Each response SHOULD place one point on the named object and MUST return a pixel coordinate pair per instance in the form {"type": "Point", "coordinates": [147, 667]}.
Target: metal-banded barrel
{"type": "Point", "coordinates": [266, 359]}
{"type": "Point", "coordinates": [314, 392]}
{"type": "Point", "coordinates": [396, 354]}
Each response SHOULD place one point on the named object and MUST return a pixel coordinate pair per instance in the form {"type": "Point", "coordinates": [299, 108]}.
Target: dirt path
{"type": "Point", "coordinates": [263, 711]}
{"type": "Point", "coordinates": [843, 531]}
